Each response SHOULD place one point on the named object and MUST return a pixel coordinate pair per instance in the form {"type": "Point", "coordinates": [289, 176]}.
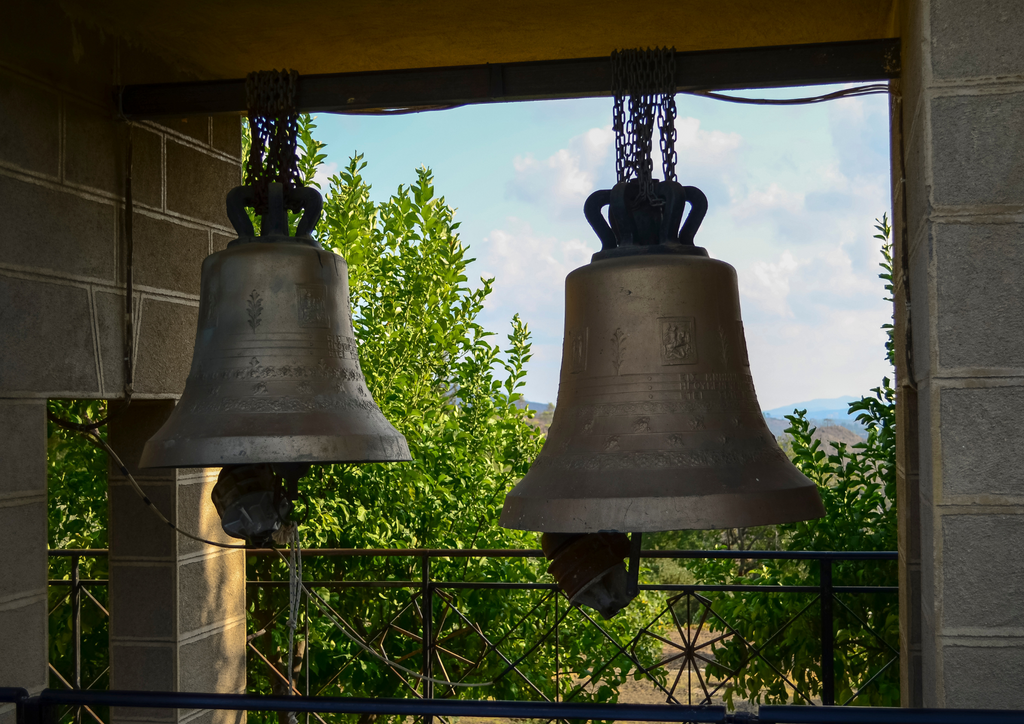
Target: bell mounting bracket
{"type": "Point", "coordinates": [275, 221]}
{"type": "Point", "coordinates": [644, 226]}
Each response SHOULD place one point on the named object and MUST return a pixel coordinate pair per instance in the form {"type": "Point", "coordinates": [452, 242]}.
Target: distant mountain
{"type": "Point", "coordinates": [538, 406]}
{"type": "Point", "coordinates": [833, 407]}
{"type": "Point", "coordinates": [821, 413]}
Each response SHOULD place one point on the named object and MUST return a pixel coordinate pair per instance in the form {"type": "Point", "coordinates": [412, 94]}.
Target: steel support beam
{"type": "Point", "coordinates": [426, 88]}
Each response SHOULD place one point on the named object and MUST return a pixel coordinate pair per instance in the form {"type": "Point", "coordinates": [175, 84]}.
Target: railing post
{"type": "Point", "coordinates": [428, 633]}
{"type": "Point", "coordinates": [828, 653]}
{"type": "Point", "coordinates": [76, 629]}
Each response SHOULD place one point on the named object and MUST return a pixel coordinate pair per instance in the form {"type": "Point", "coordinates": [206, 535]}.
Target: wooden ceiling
{"type": "Point", "coordinates": [215, 39]}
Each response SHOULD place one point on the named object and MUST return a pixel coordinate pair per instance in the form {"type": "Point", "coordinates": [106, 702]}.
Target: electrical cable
{"type": "Point", "coordinates": [141, 494]}
{"type": "Point", "coordinates": [325, 609]}
{"type": "Point", "coordinates": [862, 90]}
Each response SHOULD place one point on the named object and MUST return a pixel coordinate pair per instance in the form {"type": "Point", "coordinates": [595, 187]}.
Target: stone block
{"type": "Point", "coordinates": [93, 149]}
{"type": "Point", "coordinates": [216, 716]}
{"type": "Point", "coordinates": [983, 442]}
{"type": "Point", "coordinates": [8, 714]}
{"type": "Point", "coordinates": [23, 446]}
{"type": "Point", "coordinates": [23, 556]}
{"type": "Point", "coordinates": [910, 604]}
{"type": "Point", "coordinates": [110, 324]}
{"type": "Point", "coordinates": [48, 339]}
{"type": "Point", "coordinates": [169, 255]}
{"type": "Point", "coordinates": [908, 507]}
{"type": "Point", "coordinates": [133, 529]}
{"type": "Point", "coordinates": [214, 663]}
{"type": "Point", "coordinates": [227, 135]}
{"type": "Point", "coordinates": [143, 601]}
{"type": "Point", "coordinates": [978, 147]}
{"type": "Point", "coordinates": [128, 432]}
{"type": "Point", "coordinates": [197, 183]}
{"type": "Point", "coordinates": [929, 564]}
{"type": "Point", "coordinates": [195, 127]}
{"type": "Point", "coordinates": [23, 632]}
{"type": "Point", "coordinates": [983, 677]}
{"type": "Point", "coordinates": [29, 125]}
{"type": "Point", "coordinates": [980, 321]}
{"type": "Point", "coordinates": [984, 42]}
{"type": "Point", "coordinates": [920, 312]}
{"type": "Point", "coordinates": [166, 338]}
{"type": "Point", "coordinates": [57, 231]}
{"type": "Point", "coordinates": [982, 571]}
{"type": "Point", "coordinates": [211, 589]}
{"type": "Point", "coordinates": [147, 168]}
{"type": "Point", "coordinates": [918, 186]}
{"type": "Point", "coordinates": [221, 241]}
{"type": "Point", "coordinates": [196, 511]}
{"type": "Point", "coordinates": [146, 667]}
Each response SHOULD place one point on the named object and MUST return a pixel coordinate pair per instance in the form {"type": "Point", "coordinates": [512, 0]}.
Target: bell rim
{"type": "Point", "coordinates": [355, 449]}
{"type": "Point", "coordinates": [714, 511]}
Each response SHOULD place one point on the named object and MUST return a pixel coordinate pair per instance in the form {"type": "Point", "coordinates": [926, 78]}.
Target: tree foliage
{"type": "Point", "coordinates": [77, 512]}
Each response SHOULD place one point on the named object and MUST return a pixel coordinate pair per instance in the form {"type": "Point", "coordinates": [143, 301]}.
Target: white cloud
{"type": "Point", "coordinates": [768, 284]}
{"type": "Point", "coordinates": [323, 175]}
{"type": "Point", "coordinates": [529, 271]}
{"type": "Point", "coordinates": [563, 180]}
{"type": "Point", "coordinates": [772, 198]}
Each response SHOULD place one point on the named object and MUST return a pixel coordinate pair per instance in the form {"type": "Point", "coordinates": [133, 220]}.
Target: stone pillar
{"type": "Point", "coordinates": [23, 572]}
{"type": "Point", "coordinates": [959, 197]}
{"type": "Point", "coordinates": [177, 606]}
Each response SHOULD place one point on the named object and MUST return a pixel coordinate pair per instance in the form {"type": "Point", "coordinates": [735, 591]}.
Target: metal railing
{"type": "Point", "coordinates": [433, 680]}
{"type": "Point", "coordinates": [42, 708]}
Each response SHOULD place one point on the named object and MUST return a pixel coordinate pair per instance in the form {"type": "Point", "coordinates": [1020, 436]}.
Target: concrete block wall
{"type": "Point", "coordinates": [23, 561]}
{"type": "Point", "coordinates": [177, 608]}
{"type": "Point", "coordinates": [959, 196]}
{"type": "Point", "coordinates": [178, 617]}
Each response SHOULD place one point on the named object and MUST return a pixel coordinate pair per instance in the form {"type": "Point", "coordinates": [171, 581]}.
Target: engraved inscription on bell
{"type": "Point", "coordinates": [678, 341]}
{"type": "Point", "coordinates": [578, 350]}
{"type": "Point", "coordinates": [312, 302]}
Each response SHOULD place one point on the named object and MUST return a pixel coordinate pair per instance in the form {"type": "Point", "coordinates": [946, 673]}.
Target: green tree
{"type": "Point", "coordinates": [77, 512]}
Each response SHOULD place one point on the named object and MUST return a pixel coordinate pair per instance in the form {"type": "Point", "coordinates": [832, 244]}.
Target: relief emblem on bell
{"type": "Point", "coordinates": [678, 344]}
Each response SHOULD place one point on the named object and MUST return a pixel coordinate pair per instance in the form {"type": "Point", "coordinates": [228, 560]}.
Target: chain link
{"type": "Point", "coordinates": [647, 77]}
{"type": "Point", "coordinates": [274, 125]}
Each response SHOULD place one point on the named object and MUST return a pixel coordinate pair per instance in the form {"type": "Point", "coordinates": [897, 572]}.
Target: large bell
{"type": "Point", "coordinates": [657, 426]}
{"type": "Point", "coordinates": [275, 374]}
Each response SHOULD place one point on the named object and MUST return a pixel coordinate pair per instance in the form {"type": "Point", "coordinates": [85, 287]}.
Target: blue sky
{"type": "Point", "coordinates": [793, 194]}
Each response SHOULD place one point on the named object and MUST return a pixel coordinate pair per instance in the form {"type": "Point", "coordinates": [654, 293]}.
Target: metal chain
{"type": "Point", "coordinates": [274, 125]}
{"type": "Point", "coordinates": [648, 78]}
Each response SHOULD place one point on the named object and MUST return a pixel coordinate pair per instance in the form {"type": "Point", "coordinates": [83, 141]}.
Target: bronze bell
{"type": "Point", "coordinates": [275, 374]}
{"type": "Point", "coordinates": [657, 426]}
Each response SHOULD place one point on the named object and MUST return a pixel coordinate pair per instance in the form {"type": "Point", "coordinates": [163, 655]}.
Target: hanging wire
{"type": "Point", "coordinates": [862, 90]}
{"type": "Point", "coordinates": [330, 613]}
{"type": "Point", "coordinates": [89, 430]}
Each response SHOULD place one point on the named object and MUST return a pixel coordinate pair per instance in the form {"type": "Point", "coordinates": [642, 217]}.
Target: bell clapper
{"type": "Point", "coordinates": [255, 502]}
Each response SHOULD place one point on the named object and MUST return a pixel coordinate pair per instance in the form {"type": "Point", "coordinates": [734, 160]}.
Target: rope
{"type": "Point", "coordinates": [294, 600]}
